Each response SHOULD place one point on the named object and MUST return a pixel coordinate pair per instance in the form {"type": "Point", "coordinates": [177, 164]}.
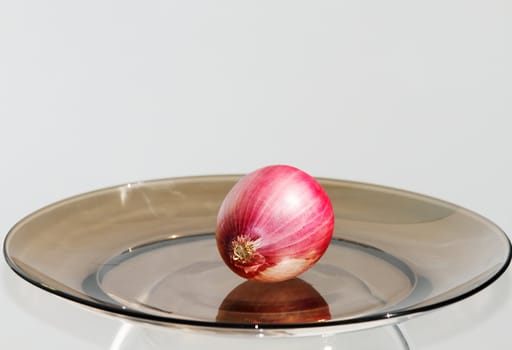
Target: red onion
{"type": "Point", "coordinates": [274, 224]}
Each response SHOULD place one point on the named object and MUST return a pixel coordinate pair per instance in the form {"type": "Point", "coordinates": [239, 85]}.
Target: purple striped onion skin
{"type": "Point", "coordinates": [274, 224]}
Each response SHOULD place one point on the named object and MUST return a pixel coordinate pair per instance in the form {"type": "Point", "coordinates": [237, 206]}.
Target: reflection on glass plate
{"type": "Point", "coordinates": [147, 251]}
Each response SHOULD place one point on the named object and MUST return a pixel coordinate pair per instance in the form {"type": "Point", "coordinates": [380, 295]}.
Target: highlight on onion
{"type": "Point", "coordinates": [274, 224]}
{"type": "Point", "coordinates": [290, 301]}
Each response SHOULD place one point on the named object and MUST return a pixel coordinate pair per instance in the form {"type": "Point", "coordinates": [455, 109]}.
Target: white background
{"type": "Point", "coordinates": [409, 94]}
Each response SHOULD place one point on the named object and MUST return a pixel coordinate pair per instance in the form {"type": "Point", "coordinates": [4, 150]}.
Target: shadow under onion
{"type": "Point", "coordinates": [287, 302]}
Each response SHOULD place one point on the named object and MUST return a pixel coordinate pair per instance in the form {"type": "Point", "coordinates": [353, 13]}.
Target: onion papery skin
{"type": "Point", "coordinates": [274, 224]}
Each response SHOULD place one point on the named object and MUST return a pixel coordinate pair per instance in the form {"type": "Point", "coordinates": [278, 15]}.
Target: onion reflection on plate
{"type": "Point", "coordinates": [287, 302]}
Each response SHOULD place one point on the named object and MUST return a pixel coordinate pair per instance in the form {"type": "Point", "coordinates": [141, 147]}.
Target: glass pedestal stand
{"type": "Point", "coordinates": [132, 336]}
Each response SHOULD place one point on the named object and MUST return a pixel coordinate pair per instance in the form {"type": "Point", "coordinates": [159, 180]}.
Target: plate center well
{"type": "Point", "coordinates": [185, 278]}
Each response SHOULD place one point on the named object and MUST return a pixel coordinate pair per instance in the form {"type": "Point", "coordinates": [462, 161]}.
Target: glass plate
{"type": "Point", "coordinates": [147, 251]}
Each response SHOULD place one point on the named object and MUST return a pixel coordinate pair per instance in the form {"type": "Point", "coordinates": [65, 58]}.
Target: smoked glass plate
{"type": "Point", "coordinates": [147, 251]}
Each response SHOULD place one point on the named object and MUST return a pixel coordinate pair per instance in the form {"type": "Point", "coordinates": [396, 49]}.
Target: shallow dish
{"type": "Point", "coordinates": [147, 251]}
